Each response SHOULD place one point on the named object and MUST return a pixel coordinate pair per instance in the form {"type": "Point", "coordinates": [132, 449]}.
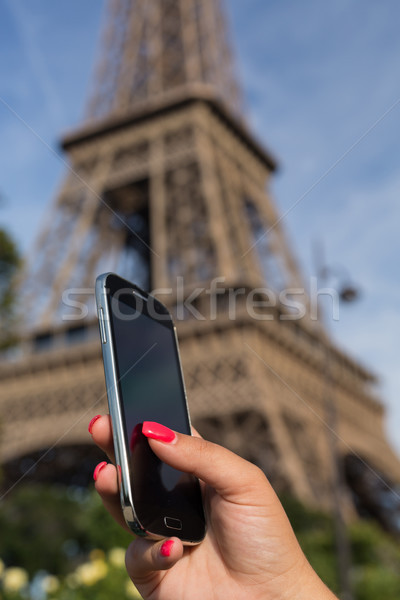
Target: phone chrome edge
{"type": "Point", "coordinates": [114, 406]}
{"type": "Point", "coordinates": [182, 377]}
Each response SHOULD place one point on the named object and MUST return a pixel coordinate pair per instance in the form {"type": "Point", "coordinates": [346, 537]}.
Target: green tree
{"type": "Point", "coordinates": [375, 571]}
{"type": "Point", "coordinates": [54, 527]}
{"type": "Point", "coordinates": [9, 264]}
{"type": "Point", "coordinates": [64, 536]}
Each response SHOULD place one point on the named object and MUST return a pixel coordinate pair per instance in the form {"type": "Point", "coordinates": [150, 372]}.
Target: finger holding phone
{"type": "Point", "coordinates": [250, 550]}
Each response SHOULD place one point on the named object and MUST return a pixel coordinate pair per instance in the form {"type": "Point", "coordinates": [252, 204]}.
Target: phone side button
{"type": "Point", "coordinates": [102, 328]}
{"type": "Point", "coordinates": [172, 523]}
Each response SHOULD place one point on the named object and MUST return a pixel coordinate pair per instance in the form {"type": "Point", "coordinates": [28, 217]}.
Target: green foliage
{"type": "Point", "coordinates": [304, 519]}
{"type": "Point", "coordinates": [375, 554]}
{"type": "Point", "coordinates": [101, 576]}
{"type": "Point", "coordinates": [376, 560]}
{"type": "Point", "coordinates": [61, 541]}
{"type": "Point", "coordinates": [9, 263]}
{"type": "Point", "coordinates": [315, 532]}
{"type": "Point", "coordinates": [371, 545]}
{"type": "Point", "coordinates": [374, 582]}
{"type": "Point", "coordinates": [64, 523]}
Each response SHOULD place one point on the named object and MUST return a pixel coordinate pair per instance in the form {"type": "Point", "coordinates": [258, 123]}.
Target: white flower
{"type": "Point", "coordinates": [50, 584]}
{"type": "Point", "coordinates": [116, 556]}
{"type": "Point", "coordinates": [91, 572]}
{"type": "Point", "coordinates": [14, 579]}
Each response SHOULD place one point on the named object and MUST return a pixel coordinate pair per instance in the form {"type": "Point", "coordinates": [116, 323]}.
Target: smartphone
{"type": "Point", "coordinates": [144, 382]}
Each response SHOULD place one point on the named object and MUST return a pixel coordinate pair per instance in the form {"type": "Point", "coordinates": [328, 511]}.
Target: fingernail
{"type": "Point", "coordinates": [158, 432]}
{"type": "Point", "coordinates": [92, 422]}
{"type": "Point", "coordinates": [166, 548]}
{"type": "Point", "coordinates": [97, 470]}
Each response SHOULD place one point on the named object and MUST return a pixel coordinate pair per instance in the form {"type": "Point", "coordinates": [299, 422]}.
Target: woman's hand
{"type": "Point", "coordinates": [250, 550]}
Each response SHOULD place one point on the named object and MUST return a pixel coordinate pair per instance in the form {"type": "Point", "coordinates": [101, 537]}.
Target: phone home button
{"type": "Point", "coordinates": [172, 523]}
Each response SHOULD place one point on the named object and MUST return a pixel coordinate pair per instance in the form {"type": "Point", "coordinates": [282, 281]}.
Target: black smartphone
{"type": "Point", "coordinates": [145, 383]}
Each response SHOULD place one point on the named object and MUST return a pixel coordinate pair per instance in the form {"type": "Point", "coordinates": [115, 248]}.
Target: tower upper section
{"type": "Point", "coordinates": [155, 50]}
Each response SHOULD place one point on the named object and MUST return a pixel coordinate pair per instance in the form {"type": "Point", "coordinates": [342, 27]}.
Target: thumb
{"type": "Point", "coordinates": [232, 477]}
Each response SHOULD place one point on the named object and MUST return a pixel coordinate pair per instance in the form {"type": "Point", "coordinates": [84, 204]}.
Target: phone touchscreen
{"type": "Point", "coordinates": [151, 389]}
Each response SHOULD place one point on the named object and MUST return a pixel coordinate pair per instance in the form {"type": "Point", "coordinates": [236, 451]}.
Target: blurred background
{"type": "Point", "coordinates": [322, 93]}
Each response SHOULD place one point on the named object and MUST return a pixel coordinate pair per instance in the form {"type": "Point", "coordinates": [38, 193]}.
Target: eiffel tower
{"type": "Point", "coordinates": [167, 186]}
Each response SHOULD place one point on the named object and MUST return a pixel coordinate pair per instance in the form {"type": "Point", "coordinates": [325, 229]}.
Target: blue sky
{"type": "Point", "coordinates": [322, 90]}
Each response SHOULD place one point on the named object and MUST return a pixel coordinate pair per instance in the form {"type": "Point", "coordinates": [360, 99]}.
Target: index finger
{"type": "Point", "coordinates": [230, 475]}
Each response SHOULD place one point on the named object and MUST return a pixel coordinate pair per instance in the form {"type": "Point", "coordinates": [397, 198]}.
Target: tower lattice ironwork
{"type": "Point", "coordinates": [168, 186]}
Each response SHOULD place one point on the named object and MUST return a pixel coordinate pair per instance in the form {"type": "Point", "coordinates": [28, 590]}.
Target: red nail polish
{"type": "Point", "coordinates": [97, 470]}
{"type": "Point", "coordinates": [158, 432]}
{"type": "Point", "coordinates": [92, 422]}
{"type": "Point", "coordinates": [166, 548]}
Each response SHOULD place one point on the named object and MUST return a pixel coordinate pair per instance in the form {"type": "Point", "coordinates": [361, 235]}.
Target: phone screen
{"type": "Point", "coordinates": [166, 501]}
